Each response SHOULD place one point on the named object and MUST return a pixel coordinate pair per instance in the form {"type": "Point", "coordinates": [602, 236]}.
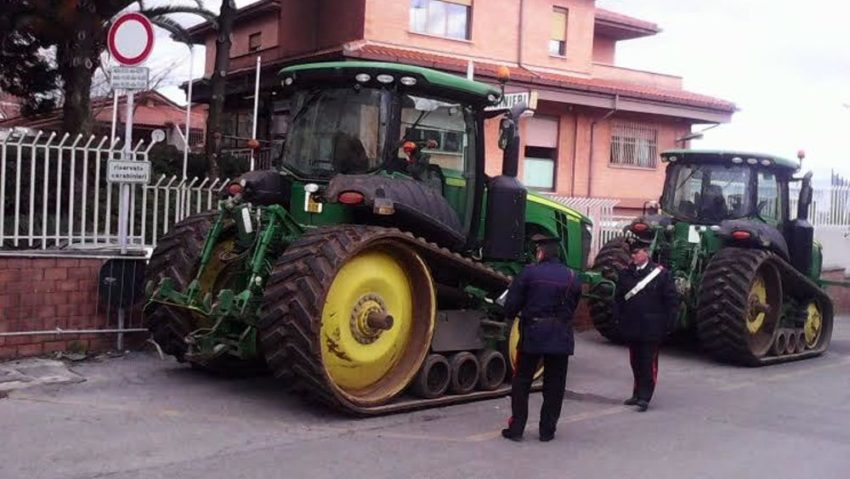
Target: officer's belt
{"type": "Point", "coordinates": [642, 284]}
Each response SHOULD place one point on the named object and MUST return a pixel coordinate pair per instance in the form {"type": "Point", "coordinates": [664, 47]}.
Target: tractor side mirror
{"type": "Point", "coordinates": [805, 199]}
{"type": "Point", "coordinates": [509, 139]}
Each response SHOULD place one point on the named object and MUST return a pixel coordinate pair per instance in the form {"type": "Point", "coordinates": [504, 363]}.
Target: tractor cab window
{"type": "Point", "coordinates": [769, 205]}
{"type": "Point", "coordinates": [336, 131]}
{"type": "Point", "coordinates": [707, 193]}
{"type": "Point", "coordinates": [439, 125]}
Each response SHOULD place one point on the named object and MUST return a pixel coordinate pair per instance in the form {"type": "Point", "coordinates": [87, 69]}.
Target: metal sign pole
{"type": "Point", "coordinates": [256, 102]}
{"type": "Point", "coordinates": [188, 111]}
{"type": "Point", "coordinates": [124, 206]}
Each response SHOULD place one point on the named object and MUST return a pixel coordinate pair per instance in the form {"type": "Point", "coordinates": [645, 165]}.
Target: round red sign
{"type": "Point", "coordinates": [130, 38]}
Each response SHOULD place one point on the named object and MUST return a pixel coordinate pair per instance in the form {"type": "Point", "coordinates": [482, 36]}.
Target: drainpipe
{"type": "Point", "coordinates": [575, 153]}
{"type": "Point", "coordinates": [592, 131]}
{"type": "Point", "coordinates": [519, 36]}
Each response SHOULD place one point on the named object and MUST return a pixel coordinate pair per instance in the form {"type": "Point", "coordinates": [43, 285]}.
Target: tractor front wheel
{"type": "Point", "coordinates": [740, 302]}
{"type": "Point", "coordinates": [349, 314]}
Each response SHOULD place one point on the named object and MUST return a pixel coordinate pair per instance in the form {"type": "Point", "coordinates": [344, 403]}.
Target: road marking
{"type": "Point", "coordinates": [783, 376]}
{"type": "Point", "coordinates": [486, 436]}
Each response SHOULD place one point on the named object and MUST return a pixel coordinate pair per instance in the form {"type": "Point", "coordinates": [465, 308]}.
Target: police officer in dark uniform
{"type": "Point", "coordinates": [545, 296]}
{"type": "Point", "coordinates": [646, 308]}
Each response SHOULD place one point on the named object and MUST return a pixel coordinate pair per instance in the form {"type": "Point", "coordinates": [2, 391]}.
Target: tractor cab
{"type": "Point", "coordinates": [708, 187]}
{"type": "Point", "coordinates": [742, 197]}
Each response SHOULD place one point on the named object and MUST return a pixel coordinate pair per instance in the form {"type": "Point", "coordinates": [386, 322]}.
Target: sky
{"type": "Point", "coordinates": [785, 64]}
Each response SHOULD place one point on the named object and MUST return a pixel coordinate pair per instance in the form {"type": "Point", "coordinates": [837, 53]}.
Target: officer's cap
{"type": "Point", "coordinates": [635, 242]}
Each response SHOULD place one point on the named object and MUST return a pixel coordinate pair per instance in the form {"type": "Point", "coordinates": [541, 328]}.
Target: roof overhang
{"type": "Point", "coordinates": [198, 34]}
{"type": "Point", "coordinates": [622, 27]}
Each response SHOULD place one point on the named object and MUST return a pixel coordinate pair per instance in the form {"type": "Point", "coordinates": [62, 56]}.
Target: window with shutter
{"type": "Point", "coordinates": [558, 36]}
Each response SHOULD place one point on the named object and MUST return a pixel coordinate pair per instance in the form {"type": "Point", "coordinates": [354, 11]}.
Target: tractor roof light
{"type": "Point", "coordinates": [234, 189]}
{"type": "Point", "coordinates": [752, 161]}
{"type": "Point", "coordinates": [673, 159]}
{"type": "Point", "coordinates": [351, 198]}
{"type": "Point", "coordinates": [737, 160]}
{"type": "Point", "coordinates": [385, 79]}
{"type": "Point", "coordinates": [288, 81]}
{"type": "Point", "coordinates": [741, 235]}
{"type": "Point", "coordinates": [766, 162]}
{"type": "Point", "coordinates": [407, 81]}
{"type": "Point", "coordinates": [362, 77]}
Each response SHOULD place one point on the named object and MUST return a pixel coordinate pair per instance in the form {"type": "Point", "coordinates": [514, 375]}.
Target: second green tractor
{"type": "Point", "coordinates": [747, 266]}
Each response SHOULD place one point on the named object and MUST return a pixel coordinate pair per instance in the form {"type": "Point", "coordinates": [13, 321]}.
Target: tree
{"type": "Point", "coordinates": [76, 31]}
{"type": "Point", "coordinates": [218, 81]}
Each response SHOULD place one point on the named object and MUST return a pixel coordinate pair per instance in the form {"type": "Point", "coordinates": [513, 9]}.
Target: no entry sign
{"type": "Point", "coordinates": [130, 39]}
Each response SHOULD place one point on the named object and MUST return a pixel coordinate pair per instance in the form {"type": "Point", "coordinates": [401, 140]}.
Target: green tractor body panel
{"type": "Point", "coordinates": [280, 274]}
{"type": "Point", "coordinates": [747, 269]}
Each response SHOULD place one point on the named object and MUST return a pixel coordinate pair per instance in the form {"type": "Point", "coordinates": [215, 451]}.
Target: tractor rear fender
{"type": "Point", "coordinates": [761, 236]}
{"type": "Point", "coordinates": [408, 204]}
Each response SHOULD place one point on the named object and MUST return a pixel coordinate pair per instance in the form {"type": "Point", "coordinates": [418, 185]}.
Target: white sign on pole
{"type": "Point", "coordinates": [132, 171]}
{"type": "Point", "coordinates": [511, 99]}
{"type": "Point", "coordinates": [130, 38]}
{"type": "Point", "coordinates": [129, 78]}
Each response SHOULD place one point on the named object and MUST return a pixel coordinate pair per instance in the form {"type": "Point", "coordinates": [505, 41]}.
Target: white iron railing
{"type": "Point", "coordinates": [830, 206]}
{"type": "Point", "coordinates": [54, 194]}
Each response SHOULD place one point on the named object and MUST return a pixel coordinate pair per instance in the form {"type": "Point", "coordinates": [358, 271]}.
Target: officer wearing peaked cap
{"type": "Point", "coordinates": [646, 307]}
{"type": "Point", "coordinates": [544, 296]}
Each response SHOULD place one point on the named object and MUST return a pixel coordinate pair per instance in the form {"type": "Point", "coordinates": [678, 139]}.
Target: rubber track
{"type": "Point", "coordinates": [722, 303]}
{"type": "Point", "coordinates": [176, 256]}
{"type": "Point", "coordinates": [613, 257]}
{"type": "Point", "coordinates": [295, 292]}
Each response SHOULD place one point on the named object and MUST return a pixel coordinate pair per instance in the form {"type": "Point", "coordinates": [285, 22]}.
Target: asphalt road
{"type": "Point", "coordinates": [140, 417]}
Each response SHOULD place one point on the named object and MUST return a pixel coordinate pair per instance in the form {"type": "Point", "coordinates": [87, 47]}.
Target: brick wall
{"type": "Point", "coordinates": [40, 294]}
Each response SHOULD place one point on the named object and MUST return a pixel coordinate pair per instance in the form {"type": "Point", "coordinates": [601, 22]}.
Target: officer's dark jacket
{"type": "Point", "coordinates": [545, 290]}
{"type": "Point", "coordinates": [650, 314]}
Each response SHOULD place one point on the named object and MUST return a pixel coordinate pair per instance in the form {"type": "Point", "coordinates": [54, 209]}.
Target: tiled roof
{"type": "Point", "coordinates": [614, 17]}
{"type": "Point", "coordinates": [523, 75]}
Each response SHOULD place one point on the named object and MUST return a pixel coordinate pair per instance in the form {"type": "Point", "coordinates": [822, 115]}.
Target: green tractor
{"type": "Point", "coordinates": [366, 271]}
{"type": "Point", "coordinates": [748, 272]}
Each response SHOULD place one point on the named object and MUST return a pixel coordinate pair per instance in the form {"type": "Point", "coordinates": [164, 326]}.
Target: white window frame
{"type": "Point", "coordinates": [634, 144]}
{"type": "Point", "coordinates": [429, 6]}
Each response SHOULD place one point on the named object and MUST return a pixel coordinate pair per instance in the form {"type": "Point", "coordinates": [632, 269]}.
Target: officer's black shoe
{"type": "Point", "coordinates": [631, 401]}
{"type": "Point", "coordinates": [508, 434]}
{"type": "Point", "coordinates": [546, 437]}
{"type": "Point", "coordinates": [642, 405]}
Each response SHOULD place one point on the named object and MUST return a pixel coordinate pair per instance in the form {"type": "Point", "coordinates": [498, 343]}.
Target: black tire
{"type": "Point", "coordinates": [492, 369]}
{"type": "Point", "coordinates": [176, 256]}
{"type": "Point", "coordinates": [465, 370]}
{"type": "Point", "coordinates": [433, 377]}
{"type": "Point", "coordinates": [613, 257]}
{"type": "Point", "coordinates": [290, 322]}
{"type": "Point", "coordinates": [725, 306]}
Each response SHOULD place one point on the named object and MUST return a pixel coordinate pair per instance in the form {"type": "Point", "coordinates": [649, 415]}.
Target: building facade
{"type": "Point", "coordinates": [597, 129]}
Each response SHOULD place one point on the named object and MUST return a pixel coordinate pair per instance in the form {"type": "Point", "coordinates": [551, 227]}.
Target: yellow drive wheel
{"type": "Point", "coordinates": [513, 350]}
{"type": "Point", "coordinates": [813, 326]}
{"type": "Point", "coordinates": [757, 297]}
{"type": "Point", "coordinates": [764, 303]}
{"type": "Point", "coordinates": [377, 323]}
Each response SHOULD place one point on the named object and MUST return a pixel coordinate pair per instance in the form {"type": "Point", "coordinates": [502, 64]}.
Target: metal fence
{"type": "Point", "coordinates": [830, 205]}
{"type": "Point", "coordinates": [54, 194]}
